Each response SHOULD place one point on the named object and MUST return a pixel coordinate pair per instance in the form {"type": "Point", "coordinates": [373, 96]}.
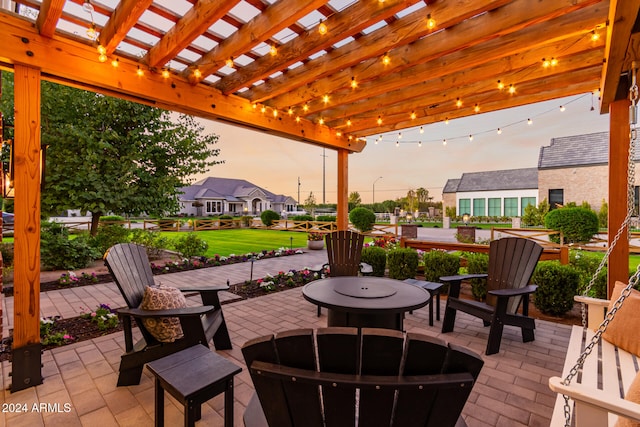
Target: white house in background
{"type": "Point", "coordinates": [493, 193]}
{"type": "Point", "coordinates": [218, 196]}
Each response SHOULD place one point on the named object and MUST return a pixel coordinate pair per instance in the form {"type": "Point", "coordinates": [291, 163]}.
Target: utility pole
{"type": "Point", "coordinates": [298, 191]}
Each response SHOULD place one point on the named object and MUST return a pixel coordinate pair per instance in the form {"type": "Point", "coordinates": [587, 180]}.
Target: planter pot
{"type": "Point", "coordinates": [315, 244]}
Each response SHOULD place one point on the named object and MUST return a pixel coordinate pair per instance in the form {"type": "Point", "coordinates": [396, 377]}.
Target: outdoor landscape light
{"type": "Point", "coordinates": [465, 219]}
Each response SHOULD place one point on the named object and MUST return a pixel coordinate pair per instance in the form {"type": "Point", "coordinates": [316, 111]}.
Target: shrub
{"type": "Point", "coordinates": [246, 220]}
{"type": "Point", "coordinates": [478, 263]}
{"type": "Point", "coordinates": [326, 218]}
{"type": "Point", "coordinates": [60, 253]}
{"type": "Point", "coordinates": [302, 218]}
{"type": "Point", "coordinates": [111, 218]}
{"type": "Point", "coordinates": [268, 217]}
{"type": "Point", "coordinates": [439, 263]}
{"type": "Point", "coordinates": [225, 217]}
{"type": "Point", "coordinates": [577, 224]}
{"type": "Point", "coordinates": [557, 285]}
{"type": "Point", "coordinates": [586, 264]}
{"type": "Point", "coordinates": [109, 235]}
{"type": "Point", "coordinates": [190, 245]}
{"type": "Point", "coordinates": [7, 254]}
{"type": "Point", "coordinates": [153, 241]}
{"type": "Point", "coordinates": [403, 263]}
{"type": "Point", "coordinates": [362, 218]}
{"type": "Point", "coordinates": [376, 257]}
{"type": "Point", "coordinates": [603, 214]}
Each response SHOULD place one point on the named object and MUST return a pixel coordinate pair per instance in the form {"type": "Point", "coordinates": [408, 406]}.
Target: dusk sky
{"type": "Point", "coordinates": [276, 163]}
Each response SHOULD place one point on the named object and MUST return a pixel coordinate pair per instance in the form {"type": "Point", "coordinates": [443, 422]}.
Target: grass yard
{"type": "Point", "coordinates": [242, 241]}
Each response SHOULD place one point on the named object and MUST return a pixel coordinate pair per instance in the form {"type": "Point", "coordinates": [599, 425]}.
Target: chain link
{"type": "Point", "coordinates": [625, 226]}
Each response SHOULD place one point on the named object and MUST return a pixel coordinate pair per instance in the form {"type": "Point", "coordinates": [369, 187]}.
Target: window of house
{"type": "Point", "coordinates": [495, 205]}
{"type": "Point", "coordinates": [478, 207]}
{"type": "Point", "coordinates": [526, 201]}
{"type": "Point", "coordinates": [556, 198]}
{"type": "Point", "coordinates": [510, 206]}
{"type": "Point", "coordinates": [464, 206]}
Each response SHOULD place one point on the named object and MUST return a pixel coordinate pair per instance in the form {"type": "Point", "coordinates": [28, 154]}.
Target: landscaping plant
{"type": "Point", "coordinates": [376, 257]}
{"type": "Point", "coordinates": [190, 245]}
{"type": "Point", "coordinates": [268, 217]}
{"type": "Point", "coordinates": [362, 219]}
{"type": "Point", "coordinates": [557, 285]}
{"type": "Point", "coordinates": [109, 235]}
{"type": "Point", "coordinates": [58, 252]}
{"type": "Point", "coordinates": [578, 224]}
{"type": "Point", "coordinates": [403, 263]}
{"type": "Point", "coordinates": [477, 263]}
{"type": "Point", "coordinates": [439, 263]}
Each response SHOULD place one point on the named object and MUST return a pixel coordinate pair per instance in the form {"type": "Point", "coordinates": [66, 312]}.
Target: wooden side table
{"type": "Point", "coordinates": [193, 376]}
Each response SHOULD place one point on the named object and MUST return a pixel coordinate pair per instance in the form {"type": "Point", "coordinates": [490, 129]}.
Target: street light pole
{"type": "Point", "coordinates": [373, 193]}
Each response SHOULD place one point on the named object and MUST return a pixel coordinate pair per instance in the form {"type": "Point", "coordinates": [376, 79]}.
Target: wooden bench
{"type": "Point", "coordinates": [597, 394]}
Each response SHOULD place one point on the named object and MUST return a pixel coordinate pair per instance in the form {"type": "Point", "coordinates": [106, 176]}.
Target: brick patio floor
{"type": "Point", "coordinates": [511, 390]}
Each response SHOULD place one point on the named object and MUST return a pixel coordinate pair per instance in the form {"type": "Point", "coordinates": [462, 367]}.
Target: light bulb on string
{"type": "Point", "coordinates": [419, 143]}
{"type": "Point", "coordinates": [512, 89]}
{"type": "Point", "coordinates": [421, 129]}
{"type": "Point", "coordinates": [500, 85]}
{"type": "Point", "coordinates": [102, 58]}
{"type": "Point", "coordinates": [101, 49]}
{"type": "Point", "coordinates": [91, 31]}
{"type": "Point", "coordinates": [562, 108]}
{"type": "Point", "coordinates": [275, 113]}
{"type": "Point", "coordinates": [305, 107]}
{"type": "Point", "coordinates": [379, 120]}
{"type": "Point", "coordinates": [348, 122]}
{"type": "Point", "coordinates": [499, 131]}
{"type": "Point", "coordinates": [297, 119]}
{"type": "Point", "coordinates": [197, 73]}
{"type": "Point", "coordinates": [386, 59]}
{"type": "Point", "coordinates": [325, 99]}
{"type": "Point", "coordinates": [476, 108]}
{"type": "Point", "coordinates": [529, 122]}
{"type": "Point", "coordinates": [229, 63]}
{"type": "Point", "coordinates": [321, 121]}
{"type": "Point", "coordinates": [431, 23]}
{"type": "Point", "coordinates": [458, 102]}
{"type": "Point", "coordinates": [115, 62]}
{"type": "Point", "coordinates": [444, 142]}
{"type": "Point", "coordinates": [290, 111]}
{"type": "Point", "coordinates": [139, 72]}
{"type": "Point", "coordinates": [446, 120]}
{"type": "Point", "coordinates": [470, 138]}
{"type": "Point", "coordinates": [263, 109]}
{"type": "Point", "coordinates": [397, 143]}
{"type": "Point", "coordinates": [399, 135]}
{"type": "Point", "coordinates": [413, 115]}
{"type": "Point", "coordinates": [273, 50]}
{"type": "Point", "coordinates": [322, 28]}
{"type": "Point", "coordinates": [354, 83]}
{"type": "Point", "coordinates": [595, 36]}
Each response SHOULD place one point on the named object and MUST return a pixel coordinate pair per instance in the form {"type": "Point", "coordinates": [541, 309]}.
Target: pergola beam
{"type": "Point", "coordinates": [123, 18]}
{"type": "Point", "coordinates": [74, 63]}
{"type": "Point", "coordinates": [50, 13]}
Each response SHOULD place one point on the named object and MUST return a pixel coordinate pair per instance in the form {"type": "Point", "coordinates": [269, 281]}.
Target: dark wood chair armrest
{"type": "Point", "coordinates": [514, 292]}
{"type": "Point", "coordinates": [213, 288]}
{"type": "Point", "coordinates": [174, 312]}
{"type": "Point", "coordinates": [463, 277]}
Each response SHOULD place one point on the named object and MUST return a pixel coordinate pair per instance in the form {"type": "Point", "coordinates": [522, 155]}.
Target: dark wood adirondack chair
{"type": "Point", "coordinates": [344, 249]}
{"type": "Point", "coordinates": [512, 261]}
{"type": "Point", "coordinates": [129, 265]}
{"type": "Point", "coordinates": [378, 377]}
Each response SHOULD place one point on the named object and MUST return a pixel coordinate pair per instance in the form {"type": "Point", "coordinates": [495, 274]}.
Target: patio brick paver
{"type": "Point", "coordinates": [511, 389]}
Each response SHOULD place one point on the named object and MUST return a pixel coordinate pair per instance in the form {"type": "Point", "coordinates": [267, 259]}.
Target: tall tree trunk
{"type": "Point", "coordinates": [95, 219]}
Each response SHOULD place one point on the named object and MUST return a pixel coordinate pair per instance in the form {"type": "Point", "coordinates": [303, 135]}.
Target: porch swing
{"type": "Point", "coordinates": [604, 370]}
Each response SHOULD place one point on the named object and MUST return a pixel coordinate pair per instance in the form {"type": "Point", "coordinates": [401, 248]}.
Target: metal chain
{"type": "Point", "coordinates": [633, 97]}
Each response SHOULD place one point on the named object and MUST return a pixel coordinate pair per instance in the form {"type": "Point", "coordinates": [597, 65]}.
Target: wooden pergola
{"type": "Point", "coordinates": [328, 73]}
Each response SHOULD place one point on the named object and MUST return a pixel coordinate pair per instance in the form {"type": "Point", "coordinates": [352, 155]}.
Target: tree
{"type": "Point", "coordinates": [110, 155]}
{"type": "Point", "coordinates": [310, 203]}
{"type": "Point", "coordinates": [354, 197]}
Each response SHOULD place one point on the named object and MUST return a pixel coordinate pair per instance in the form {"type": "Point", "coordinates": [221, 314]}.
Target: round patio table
{"type": "Point", "coordinates": [364, 301]}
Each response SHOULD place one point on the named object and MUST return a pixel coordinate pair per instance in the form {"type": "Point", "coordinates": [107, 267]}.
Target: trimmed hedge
{"type": "Point", "coordinates": [268, 217]}
{"type": "Point", "coordinates": [376, 257]}
{"type": "Point", "coordinates": [577, 224]}
{"type": "Point", "coordinates": [557, 285]}
{"type": "Point", "coordinates": [403, 263]}
{"type": "Point", "coordinates": [439, 263]}
{"type": "Point", "coordinates": [478, 263]}
{"type": "Point", "coordinates": [326, 218]}
{"type": "Point", "coordinates": [362, 218]}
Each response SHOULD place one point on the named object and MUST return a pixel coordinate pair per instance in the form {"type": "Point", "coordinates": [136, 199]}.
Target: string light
{"type": "Point", "coordinates": [446, 121]}
{"type": "Point", "coordinates": [115, 62]}
{"type": "Point", "coordinates": [305, 107]}
{"type": "Point", "coordinates": [338, 133]}
{"type": "Point", "coordinates": [546, 63]}
{"type": "Point", "coordinates": [92, 32]}
{"type": "Point", "coordinates": [229, 63]}
{"type": "Point", "coordinates": [275, 113]}
{"type": "Point", "coordinates": [386, 59]}
{"type": "Point", "coordinates": [139, 72]}
{"type": "Point", "coordinates": [529, 121]}
{"type": "Point", "coordinates": [419, 143]}
{"type": "Point", "coordinates": [499, 131]}
{"type": "Point", "coordinates": [476, 108]}
{"type": "Point", "coordinates": [273, 50]}
{"type": "Point", "coordinates": [399, 135]}
{"type": "Point", "coordinates": [500, 85]}
{"type": "Point", "coordinates": [470, 138]}
{"type": "Point", "coordinates": [197, 73]}
{"type": "Point", "coordinates": [254, 106]}
{"type": "Point", "coordinates": [297, 119]}
{"type": "Point", "coordinates": [290, 111]}
{"type": "Point", "coordinates": [102, 58]}
{"type": "Point", "coordinates": [458, 102]}
{"type": "Point", "coordinates": [354, 83]}
{"type": "Point", "coordinates": [348, 122]}
{"type": "Point", "coordinates": [595, 36]}
{"type": "Point", "coordinates": [413, 115]}
{"type": "Point", "coordinates": [321, 121]}
{"type": "Point", "coordinates": [397, 143]}
{"type": "Point", "coordinates": [431, 23]}
{"type": "Point", "coordinates": [263, 109]}
{"type": "Point", "coordinates": [101, 49]}
{"type": "Point", "coordinates": [562, 108]}
{"type": "Point", "coordinates": [421, 129]}
{"type": "Point", "coordinates": [322, 28]}
{"type": "Point", "coordinates": [325, 99]}
{"type": "Point", "coordinates": [444, 142]}
{"type": "Point", "coordinates": [554, 62]}
{"type": "Point", "coordinates": [379, 120]}
{"type": "Point", "coordinates": [512, 89]}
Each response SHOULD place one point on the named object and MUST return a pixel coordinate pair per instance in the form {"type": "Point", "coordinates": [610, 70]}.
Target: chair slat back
{"type": "Point", "coordinates": [129, 265]}
{"type": "Point", "coordinates": [344, 249]}
{"type": "Point", "coordinates": [512, 261]}
{"type": "Point", "coordinates": [368, 366]}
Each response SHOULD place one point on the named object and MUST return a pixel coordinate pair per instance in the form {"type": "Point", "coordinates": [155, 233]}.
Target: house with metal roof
{"type": "Point", "coordinates": [492, 193]}
{"type": "Point", "coordinates": [218, 196]}
{"type": "Point", "coordinates": [570, 169]}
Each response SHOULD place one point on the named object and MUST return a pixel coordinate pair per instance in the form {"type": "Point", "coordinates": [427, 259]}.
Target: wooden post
{"type": "Point", "coordinates": [26, 369]}
{"type": "Point", "coordinates": [618, 267]}
{"type": "Point", "coordinates": [343, 190]}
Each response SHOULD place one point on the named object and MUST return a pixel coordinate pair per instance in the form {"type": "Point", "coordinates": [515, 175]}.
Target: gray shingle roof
{"type": "Point", "coordinates": [451, 186]}
{"type": "Point", "coordinates": [224, 188]}
{"type": "Point", "coordinates": [576, 150]}
{"type": "Point", "coordinates": [512, 179]}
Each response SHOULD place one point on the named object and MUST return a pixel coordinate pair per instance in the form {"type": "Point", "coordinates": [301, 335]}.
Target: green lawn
{"type": "Point", "coordinates": [242, 241]}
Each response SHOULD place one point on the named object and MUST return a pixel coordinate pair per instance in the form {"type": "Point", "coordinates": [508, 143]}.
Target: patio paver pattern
{"type": "Point", "coordinates": [79, 387]}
